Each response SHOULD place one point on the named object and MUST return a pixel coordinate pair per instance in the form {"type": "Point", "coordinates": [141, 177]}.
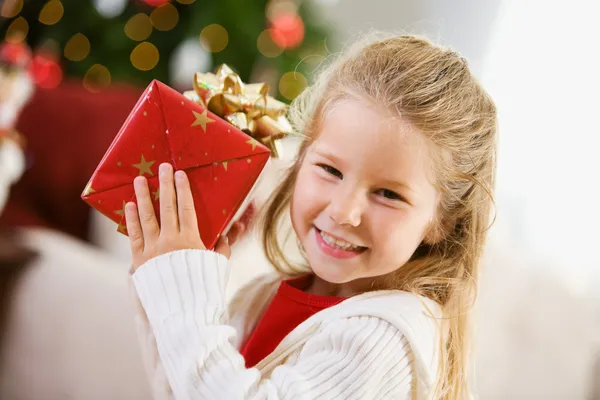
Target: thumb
{"type": "Point", "coordinates": [222, 246]}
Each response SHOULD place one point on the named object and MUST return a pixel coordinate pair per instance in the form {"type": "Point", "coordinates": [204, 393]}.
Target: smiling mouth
{"type": "Point", "coordinates": [339, 243]}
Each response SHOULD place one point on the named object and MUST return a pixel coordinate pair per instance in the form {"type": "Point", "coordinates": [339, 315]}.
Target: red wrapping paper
{"type": "Point", "coordinates": [222, 162]}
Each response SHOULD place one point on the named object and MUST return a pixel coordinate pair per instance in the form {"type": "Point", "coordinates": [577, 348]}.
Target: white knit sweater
{"type": "Point", "coordinates": [378, 345]}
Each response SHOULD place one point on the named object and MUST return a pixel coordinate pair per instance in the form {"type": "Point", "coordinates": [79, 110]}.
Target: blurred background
{"type": "Point", "coordinates": [67, 329]}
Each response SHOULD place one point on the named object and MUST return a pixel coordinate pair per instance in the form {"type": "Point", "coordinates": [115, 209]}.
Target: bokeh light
{"type": "Point", "coordinates": [17, 31]}
{"type": "Point", "coordinates": [186, 1]}
{"type": "Point", "coordinates": [16, 54]}
{"type": "Point", "coordinates": [139, 27]}
{"type": "Point", "coordinates": [292, 84]}
{"type": "Point", "coordinates": [287, 30]}
{"type": "Point", "coordinates": [77, 48]}
{"type": "Point", "coordinates": [165, 17]}
{"type": "Point", "coordinates": [314, 54]}
{"type": "Point", "coordinates": [110, 8]}
{"type": "Point", "coordinates": [11, 9]}
{"type": "Point", "coordinates": [52, 12]}
{"type": "Point", "coordinates": [46, 71]}
{"type": "Point", "coordinates": [145, 56]}
{"type": "Point", "coordinates": [277, 8]}
{"type": "Point", "coordinates": [187, 58]}
{"type": "Point", "coordinates": [214, 38]}
{"type": "Point", "coordinates": [96, 78]}
{"type": "Point", "coordinates": [266, 46]}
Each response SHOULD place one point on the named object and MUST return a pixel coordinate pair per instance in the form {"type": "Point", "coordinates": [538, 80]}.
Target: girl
{"type": "Point", "coordinates": [389, 199]}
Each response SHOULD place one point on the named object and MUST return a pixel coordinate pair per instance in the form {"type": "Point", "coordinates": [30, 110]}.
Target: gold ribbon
{"type": "Point", "coordinates": [246, 106]}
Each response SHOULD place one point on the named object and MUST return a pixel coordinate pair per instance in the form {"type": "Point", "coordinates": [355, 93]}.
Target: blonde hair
{"type": "Point", "coordinates": [431, 87]}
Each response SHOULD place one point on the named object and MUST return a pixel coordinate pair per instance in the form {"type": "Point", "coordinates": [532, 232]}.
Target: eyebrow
{"type": "Point", "coordinates": [329, 155]}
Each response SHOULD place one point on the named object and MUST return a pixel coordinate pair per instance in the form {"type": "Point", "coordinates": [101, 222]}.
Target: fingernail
{"type": "Point", "coordinates": [226, 238]}
{"type": "Point", "coordinates": [179, 175]}
{"type": "Point", "coordinates": [163, 170]}
{"type": "Point", "coordinates": [130, 207]}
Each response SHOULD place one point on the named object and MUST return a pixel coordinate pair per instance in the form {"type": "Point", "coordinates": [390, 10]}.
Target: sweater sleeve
{"type": "Point", "coordinates": [183, 296]}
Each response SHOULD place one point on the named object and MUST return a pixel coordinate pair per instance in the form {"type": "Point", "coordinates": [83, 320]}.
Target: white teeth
{"type": "Point", "coordinates": [341, 244]}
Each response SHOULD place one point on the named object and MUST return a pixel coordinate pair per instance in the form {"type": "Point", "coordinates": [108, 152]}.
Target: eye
{"type": "Point", "coordinates": [388, 194]}
{"type": "Point", "coordinates": [332, 171]}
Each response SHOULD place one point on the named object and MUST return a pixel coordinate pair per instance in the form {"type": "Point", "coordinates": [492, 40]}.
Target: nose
{"type": "Point", "coordinates": [347, 208]}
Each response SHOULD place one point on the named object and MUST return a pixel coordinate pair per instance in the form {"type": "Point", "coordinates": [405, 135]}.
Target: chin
{"type": "Point", "coordinates": [331, 272]}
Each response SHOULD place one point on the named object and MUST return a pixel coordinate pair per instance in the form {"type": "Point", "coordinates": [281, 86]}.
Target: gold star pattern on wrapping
{"type": "Point", "coordinates": [225, 165]}
{"type": "Point", "coordinates": [202, 119]}
{"type": "Point", "coordinates": [252, 142]}
{"type": "Point", "coordinates": [122, 228]}
{"type": "Point", "coordinates": [121, 212]}
{"type": "Point", "coordinates": [88, 189]}
{"type": "Point", "coordinates": [144, 166]}
{"type": "Point", "coordinates": [156, 194]}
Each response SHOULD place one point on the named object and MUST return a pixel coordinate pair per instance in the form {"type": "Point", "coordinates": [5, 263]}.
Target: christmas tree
{"type": "Point", "coordinates": [135, 41]}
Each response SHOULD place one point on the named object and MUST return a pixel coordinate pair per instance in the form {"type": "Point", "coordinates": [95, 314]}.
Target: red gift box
{"type": "Point", "coordinates": [222, 163]}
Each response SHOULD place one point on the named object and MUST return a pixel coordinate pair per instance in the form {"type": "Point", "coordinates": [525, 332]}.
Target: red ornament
{"type": "Point", "coordinates": [15, 54]}
{"type": "Point", "coordinates": [156, 3]}
{"type": "Point", "coordinates": [287, 30]}
{"type": "Point", "coordinates": [46, 72]}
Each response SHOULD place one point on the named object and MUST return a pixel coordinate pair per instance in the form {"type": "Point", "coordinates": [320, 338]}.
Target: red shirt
{"type": "Point", "coordinates": [289, 308]}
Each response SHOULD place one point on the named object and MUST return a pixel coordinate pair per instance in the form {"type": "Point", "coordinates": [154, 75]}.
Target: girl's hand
{"type": "Point", "coordinates": [178, 228]}
{"type": "Point", "coordinates": [239, 228]}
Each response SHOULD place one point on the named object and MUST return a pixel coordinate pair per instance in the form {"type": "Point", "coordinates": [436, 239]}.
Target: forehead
{"type": "Point", "coordinates": [378, 142]}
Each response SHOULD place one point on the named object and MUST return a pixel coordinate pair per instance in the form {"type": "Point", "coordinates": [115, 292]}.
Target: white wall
{"type": "Point", "coordinates": [465, 25]}
{"type": "Point", "coordinates": [542, 70]}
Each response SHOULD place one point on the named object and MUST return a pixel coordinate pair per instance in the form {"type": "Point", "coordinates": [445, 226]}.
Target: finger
{"type": "Point", "coordinates": [232, 234]}
{"type": "Point", "coordinates": [248, 214]}
{"type": "Point", "coordinates": [236, 232]}
{"type": "Point", "coordinates": [168, 203]}
{"type": "Point", "coordinates": [134, 230]}
{"type": "Point", "coordinates": [222, 246]}
{"type": "Point", "coordinates": [145, 209]}
{"type": "Point", "coordinates": [185, 204]}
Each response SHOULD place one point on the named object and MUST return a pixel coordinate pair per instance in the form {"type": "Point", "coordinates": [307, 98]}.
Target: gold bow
{"type": "Point", "coordinates": [246, 106]}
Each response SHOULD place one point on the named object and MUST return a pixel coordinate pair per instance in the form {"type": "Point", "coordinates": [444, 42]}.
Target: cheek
{"type": "Point", "coordinates": [387, 227]}
{"type": "Point", "coordinates": [398, 233]}
{"type": "Point", "coordinates": [310, 192]}
{"type": "Point", "coordinates": [307, 198]}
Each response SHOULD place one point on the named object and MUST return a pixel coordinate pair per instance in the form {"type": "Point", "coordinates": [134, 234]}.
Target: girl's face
{"type": "Point", "coordinates": [363, 199]}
